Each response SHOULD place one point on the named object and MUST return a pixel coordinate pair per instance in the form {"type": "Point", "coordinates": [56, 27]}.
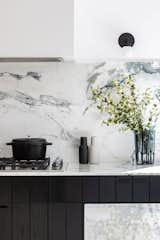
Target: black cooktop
{"type": "Point", "coordinates": [13, 164]}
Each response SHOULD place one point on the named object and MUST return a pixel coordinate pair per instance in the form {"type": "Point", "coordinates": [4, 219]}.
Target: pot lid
{"type": "Point", "coordinates": [29, 140]}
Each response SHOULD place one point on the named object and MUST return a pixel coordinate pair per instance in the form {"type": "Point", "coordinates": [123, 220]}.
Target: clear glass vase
{"type": "Point", "coordinates": [144, 146]}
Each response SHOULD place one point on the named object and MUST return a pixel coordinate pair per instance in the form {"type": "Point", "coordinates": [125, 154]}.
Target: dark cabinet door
{"type": "Point", "coordinates": [21, 222]}
{"type": "Point", "coordinates": [21, 190]}
{"type": "Point", "coordinates": [5, 222]}
{"type": "Point", "coordinates": [39, 209]}
{"type": "Point", "coordinates": [124, 189]}
{"type": "Point", "coordinates": [38, 221]}
{"type": "Point", "coordinates": [90, 186]}
{"type": "Point", "coordinates": [57, 221]}
{"type": "Point", "coordinates": [30, 209]}
{"type": "Point", "coordinates": [39, 191]}
{"type": "Point", "coordinates": [155, 189]}
{"type": "Point", "coordinates": [107, 189]}
{"type": "Point", "coordinates": [5, 190]}
{"type": "Point", "coordinates": [5, 208]}
{"type": "Point", "coordinates": [140, 189]}
{"type": "Point", "coordinates": [68, 189]}
{"type": "Point", "coordinates": [66, 221]}
{"type": "Point", "coordinates": [21, 208]}
{"type": "Point", "coordinates": [74, 222]}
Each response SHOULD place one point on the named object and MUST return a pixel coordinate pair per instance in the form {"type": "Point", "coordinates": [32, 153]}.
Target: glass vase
{"type": "Point", "coordinates": [144, 146]}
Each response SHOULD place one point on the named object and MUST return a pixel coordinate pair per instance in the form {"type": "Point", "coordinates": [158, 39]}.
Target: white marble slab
{"type": "Point", "coordinates": [49, 100]}
{"type": "Point", "coordinates": [71, 169]}
{"type": "Point", "coordinates": [122, 221]}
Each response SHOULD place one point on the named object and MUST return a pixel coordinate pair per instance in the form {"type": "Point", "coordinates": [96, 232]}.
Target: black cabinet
{"type": "Point", "coordinates": [39, 191]}
{"type": "Point", "coordinates": [155, 189]}
{"type": "Point", "coordinates": [20, 190]}
{"type": "Point", "coordinates": [65, 221]}
{"type": "Point", "coordinates": [57, 221]}
{"type": "Point", "coordinates": [21, 226]}
{"type": "Point", "coordinates": [30, 221]}
{"type": "Point", "coordinates": [38, 208]}
{"type": "Point", "coordinates": [68, 189]}
{"type": "Point", "coordinates": [39, 196]}
{"type": "Point", "coordinates": [38, 221]}
{"type": "Point", "coordinates": [90, 186]}
{"type": "Point", "coordinates": [74, 222]}
{"type": "Point", "coordinates": [5, 208]}
{"type": "Point", "coordinates": [5, 190]}
{"type": "Point", "coordinates": [5, 222]}
{"type": "Point", "coordinates": [140, 189]}
{"type": "Point", "coordinates": [30, 208]}
{"type": "Point", "coordinates": [124, 189]}
{"type": "Point", "coordinates": [107, 189]}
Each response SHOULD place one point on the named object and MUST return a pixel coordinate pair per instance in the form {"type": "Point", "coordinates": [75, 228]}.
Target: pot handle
{"type": "Point", "coordinates": [9, 143]}
{"type": "Point", "coordinates": [48, 143]}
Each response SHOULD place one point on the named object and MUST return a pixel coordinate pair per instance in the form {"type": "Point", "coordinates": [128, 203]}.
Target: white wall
{"type": "Point", "coordinates": [98, 24]}
{"type": "Point", "coordinates": [36, 28]}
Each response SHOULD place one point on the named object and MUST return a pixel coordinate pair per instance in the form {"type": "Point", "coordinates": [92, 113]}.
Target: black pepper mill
{"type": "Point", "coordinates": [83, 151]}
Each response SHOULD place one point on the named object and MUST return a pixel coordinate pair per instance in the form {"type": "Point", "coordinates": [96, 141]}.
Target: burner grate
{"type": "Point", "coordinates": [14, 164]}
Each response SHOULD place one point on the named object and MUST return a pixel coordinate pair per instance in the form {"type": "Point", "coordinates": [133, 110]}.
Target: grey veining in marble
{"type": "Point", "coordinates": [122, 221]}
{"type": "Point", "coordinates": [49, 100]}
{"type": "Point", "coordinates": [134, 68]}
{"type": "Point", "coordinates": [34, 75]}
{"type": "Point", "coordinates": [146, 67]}
{"type": "Point", "coordinates": [42, 100]}
{"type": "Point", "coordinates": [91, 79]}
{"type": "Point", "coordinates": [26, 99]}
{"type": "Point", "coordinates": [3, 95]}
{"type": "Point", "coordinates": [54, 101]}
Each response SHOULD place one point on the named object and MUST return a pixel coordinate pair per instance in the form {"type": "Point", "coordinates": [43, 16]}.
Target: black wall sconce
{"type": "Point", "coordinates": [126, 39]}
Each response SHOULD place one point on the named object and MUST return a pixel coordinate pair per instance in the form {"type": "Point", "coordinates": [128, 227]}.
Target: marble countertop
{"type": "Point", "coordinates": [71, 169]}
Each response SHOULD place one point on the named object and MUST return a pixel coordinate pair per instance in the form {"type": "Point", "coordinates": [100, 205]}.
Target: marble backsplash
{"type": "Point", "coordinates": [49, 100]}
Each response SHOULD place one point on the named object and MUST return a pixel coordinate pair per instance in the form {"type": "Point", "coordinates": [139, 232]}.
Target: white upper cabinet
{"type": "Point", "coordinates": [80, 29]}
{"type": "Point", "coordinates": [36, 28]}
{"type": "Point", "coordinates": [99, 23]}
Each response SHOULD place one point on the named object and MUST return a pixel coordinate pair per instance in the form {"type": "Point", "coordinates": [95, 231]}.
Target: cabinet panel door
{"type": "Point", "coordinates": [37, 28]}
{"type": "Point", "coordinates": [21, 226]}
{"type": "Point", "coordinates": [124, 189]}
{"type": "Point", "coordinates": [140, 189]}
{"type": "Point", "coordinates": [5, 190]}
{"type": "Point", "coordinates": [39, 192]}
{"type": "Point", "coordinates": [52, 189]}
{"type": "Point", "coordinates": [90, 186]}
{"type": "Point", "coordinates": [155, 189]}
{"type": "Point", "coordinates": [68, 189]}
{"type": "Point", "coordinates": [21, 190]}
{"type": "Point", "coordinates": [107, 189]}
{"type": "Point", "coordinates": [39, 209]}
{"type": "Point", "coordinates": [38, 218]}
{"type": "Point", "coordinates": [5, 222]}
{"type": "Point", "coordinates": [74, 222]}
{"type": "Point", "coordinates": [57, 221]}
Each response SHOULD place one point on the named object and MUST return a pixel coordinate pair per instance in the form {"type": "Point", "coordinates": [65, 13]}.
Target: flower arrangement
{"type": "Point", "coordinates": [127, 106]}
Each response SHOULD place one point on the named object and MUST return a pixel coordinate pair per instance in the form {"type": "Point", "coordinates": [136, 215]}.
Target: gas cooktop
{"type": "Point", "coordinates": [13, 164]}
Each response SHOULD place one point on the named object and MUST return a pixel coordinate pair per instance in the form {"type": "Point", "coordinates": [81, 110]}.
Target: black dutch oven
{"type": "Point", "coordinates": [29, 148]}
